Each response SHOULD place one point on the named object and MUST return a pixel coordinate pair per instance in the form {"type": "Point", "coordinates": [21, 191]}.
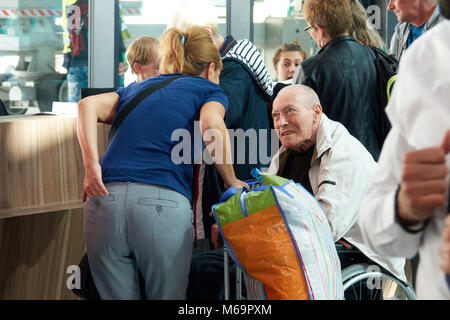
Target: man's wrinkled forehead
{"type": "Point", "coordinates": [285, 99]}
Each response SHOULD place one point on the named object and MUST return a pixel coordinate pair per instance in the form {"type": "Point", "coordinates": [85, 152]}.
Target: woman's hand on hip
{"type": "Point", "coordinates": [93, 184]}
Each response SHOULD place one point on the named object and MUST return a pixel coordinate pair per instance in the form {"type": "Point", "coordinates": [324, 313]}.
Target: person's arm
{"type": "Point", "coordinates": [342, 178]}
{"type": "Point", "coordinates": [377, 217]}
{"type": "Point", "coordinates": [397, 206]}
{"type": "Point", "coordinates": [212, 125]}
{"type": "Point", "coordinates": [217, 142]}
{"type": "Point", "coordinates": [99, 108]}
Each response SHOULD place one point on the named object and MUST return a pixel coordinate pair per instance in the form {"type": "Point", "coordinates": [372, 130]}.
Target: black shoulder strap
{"type": "Point", "coordinates": [135, 101]}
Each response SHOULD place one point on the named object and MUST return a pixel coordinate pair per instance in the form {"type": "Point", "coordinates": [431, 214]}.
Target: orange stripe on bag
{"type": "Point", "coordinates": [264, 234]}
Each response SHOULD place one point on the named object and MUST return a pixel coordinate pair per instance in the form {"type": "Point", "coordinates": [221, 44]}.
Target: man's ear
{"type": "Point", "coordinates": [317, 111]}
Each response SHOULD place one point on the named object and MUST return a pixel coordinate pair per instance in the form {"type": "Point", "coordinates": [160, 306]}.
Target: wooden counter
{"type": "Point", "coordinates": [41, 215]}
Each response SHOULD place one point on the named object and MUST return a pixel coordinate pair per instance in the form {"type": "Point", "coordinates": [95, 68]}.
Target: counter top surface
{"type": "Point", "coordinates": [44, 115]}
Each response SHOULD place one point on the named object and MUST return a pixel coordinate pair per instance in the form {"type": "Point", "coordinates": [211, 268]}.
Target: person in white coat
{"type": "Point", "coordinates": [406, 203]}
{"type": "Point", "coordinates": [329, 162]}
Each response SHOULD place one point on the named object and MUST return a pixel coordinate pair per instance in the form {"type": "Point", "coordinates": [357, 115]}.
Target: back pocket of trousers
{"type": "Point", "coordinates": [157, 202]}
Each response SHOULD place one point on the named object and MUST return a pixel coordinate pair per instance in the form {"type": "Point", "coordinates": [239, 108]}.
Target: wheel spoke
{"type": "Point", "coordinates": [391, 287]}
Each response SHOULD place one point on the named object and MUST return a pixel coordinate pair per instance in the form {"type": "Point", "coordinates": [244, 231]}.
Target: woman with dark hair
{"type": "Point", "coordinates": [343, 72]}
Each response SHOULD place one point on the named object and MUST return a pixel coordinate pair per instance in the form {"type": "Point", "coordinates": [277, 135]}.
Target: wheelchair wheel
{"type": "Point", "coordinates": [363, 282]}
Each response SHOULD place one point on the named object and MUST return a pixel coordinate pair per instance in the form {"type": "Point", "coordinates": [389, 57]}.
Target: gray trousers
{"type": "Point", "coordinates": [139, 227]}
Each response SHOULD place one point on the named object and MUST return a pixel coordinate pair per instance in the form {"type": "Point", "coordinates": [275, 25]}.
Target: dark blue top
{"type": "Point", "coordinates": [141, 150]}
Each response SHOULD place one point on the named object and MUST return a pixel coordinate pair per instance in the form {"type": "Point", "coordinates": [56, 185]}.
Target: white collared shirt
{"type": "Point", "coordinates": [420, 114]}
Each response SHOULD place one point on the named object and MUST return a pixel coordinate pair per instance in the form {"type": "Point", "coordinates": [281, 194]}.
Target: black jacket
{"type": "Point", "coordinates": [344, 76]}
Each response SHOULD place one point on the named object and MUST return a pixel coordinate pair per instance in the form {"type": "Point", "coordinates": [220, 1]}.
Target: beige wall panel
{"type": "Point", "coordinates": [41, 215]}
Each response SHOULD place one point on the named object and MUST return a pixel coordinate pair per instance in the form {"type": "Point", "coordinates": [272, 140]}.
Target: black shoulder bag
{"type": "Point", "coordinates": [387, 69]}
{"type": "Point", "coordinates": [135, 101]}
{"type": "Point", "coordinates": [87, 288]}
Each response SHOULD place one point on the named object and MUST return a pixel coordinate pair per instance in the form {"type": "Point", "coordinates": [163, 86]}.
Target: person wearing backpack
{"type": "Point", "coordinates": [343, 73]}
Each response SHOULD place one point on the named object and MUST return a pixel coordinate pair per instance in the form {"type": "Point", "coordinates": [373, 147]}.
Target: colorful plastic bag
{"type": "Point", "coordinates": [279, 236]}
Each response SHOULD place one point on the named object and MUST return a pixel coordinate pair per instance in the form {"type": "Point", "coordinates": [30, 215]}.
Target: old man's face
{"type": "Point", "coordinates": [293, 122]}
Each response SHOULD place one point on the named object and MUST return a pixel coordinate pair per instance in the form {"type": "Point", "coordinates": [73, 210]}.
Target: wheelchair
{"type": "Point", "coordinates": [362, 278]}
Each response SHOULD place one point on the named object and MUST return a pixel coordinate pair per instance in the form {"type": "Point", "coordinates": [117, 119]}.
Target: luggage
{"type": "Point", "coordinates": [279, 237]}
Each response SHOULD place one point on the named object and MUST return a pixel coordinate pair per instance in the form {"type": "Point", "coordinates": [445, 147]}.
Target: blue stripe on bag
{"type": "Point", "coordinates": [232, 190]}
{"type": "Point", "coordinates": [225, 240]}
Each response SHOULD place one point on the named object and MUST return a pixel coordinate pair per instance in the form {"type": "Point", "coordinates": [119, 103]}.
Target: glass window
{"type": "Point", "coordinates": [32, 39]}
{"type": "Point", "coordinates": [150, 18]}
{"type": "Point", "coordinates": [277, 22]}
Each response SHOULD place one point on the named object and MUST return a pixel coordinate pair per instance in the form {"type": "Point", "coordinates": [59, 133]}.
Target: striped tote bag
{"type": "Point", "coordinates": [279, 236]}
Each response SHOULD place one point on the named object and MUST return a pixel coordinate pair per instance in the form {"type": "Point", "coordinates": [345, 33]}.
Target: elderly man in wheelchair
{"type": "Point", "coordinates": [335, 167]}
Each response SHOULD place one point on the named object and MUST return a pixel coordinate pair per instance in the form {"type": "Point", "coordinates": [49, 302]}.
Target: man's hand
{"type": "Point", "coordinates": [423, 183]}
{"type": "Point", "coordinates": [444, 251]}
{"type": "Point", "coordinates": [93, 184]}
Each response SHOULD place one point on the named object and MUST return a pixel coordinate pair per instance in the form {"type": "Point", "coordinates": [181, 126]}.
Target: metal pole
{"type": "Point", "coordinates": [240, 19]}
{"type": "Point", "coordinates": [238, 283]}
{"type": "Point", "coordinates": [226, 274]}
{"type": "Point", "coordinates": [102, 45]}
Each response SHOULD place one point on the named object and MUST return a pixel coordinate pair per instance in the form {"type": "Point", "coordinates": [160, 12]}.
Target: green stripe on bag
{"type": "Point", "coordinates": [269, 179]}
{"type": "Point", "coordinates": [258, 201]}
{"type": "Point", "coordinates": [230, 210]}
